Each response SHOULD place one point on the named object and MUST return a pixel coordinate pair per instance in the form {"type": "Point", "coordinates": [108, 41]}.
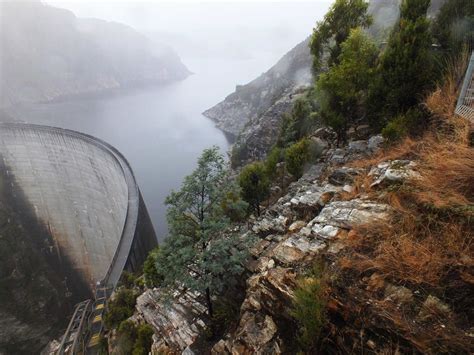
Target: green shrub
{"type": "Point", "coordinates": [254, 184]}
{"type": "Point", "coordinates": [120, 307]}
{"type": "Point", "coordinates": [402, 125]}
{"type": "Point", "coordinates": [296, 124]}
{"type": "Point", "coordinates": [273, 158]}
{"type": "Point", "coordinates": [153, 278]}
{"type": "Point", "coordinates": [226, 312]}
{"type": "Point", "coordinates": [144, 340]}
{"type": "Point", "coordinates": [127, 279]}
{"type": "Point", "coordinates": [234, 207]}
{"type": "Point", "coordinates": [239, 154]}
{"type": "Point", "coordinates": [309, 309]}
{"type": "Point", "coordinates": [127, 334]}
{"type": "Point", "coordinates": [296, 157]}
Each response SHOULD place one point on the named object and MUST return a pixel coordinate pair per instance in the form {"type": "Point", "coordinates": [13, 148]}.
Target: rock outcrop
{"type": "Point", "coordinates": [178, 322]}
{"type": "Point", "coordinates": [304, 223]}
{"type": "Point", "coordinates": [310, 219]}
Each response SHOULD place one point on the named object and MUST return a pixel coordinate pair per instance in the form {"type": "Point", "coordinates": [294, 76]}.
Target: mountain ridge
{"type": "Point", "coordinates": [48, 53]}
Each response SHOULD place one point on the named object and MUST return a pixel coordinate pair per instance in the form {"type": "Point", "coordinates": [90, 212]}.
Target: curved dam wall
{"type": "Point", "coordinates": [84, 192]}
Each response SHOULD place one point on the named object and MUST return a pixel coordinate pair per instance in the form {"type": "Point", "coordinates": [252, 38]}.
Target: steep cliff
{"type": "Point", "coordinates": [47, 53]}
{"type": "Point", "coordinates": [253, 99]}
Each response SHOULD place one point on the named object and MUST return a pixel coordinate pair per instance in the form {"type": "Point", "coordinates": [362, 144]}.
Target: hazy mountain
{"type": "Point", "coordinates": [46, 53]}
{"type": "Point", "coordinates": [293, 70]}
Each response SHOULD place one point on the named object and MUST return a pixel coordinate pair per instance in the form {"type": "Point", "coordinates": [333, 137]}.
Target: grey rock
{"type": "Point", "coordinates": [358, 146]}
{"type": "Point", "coordinates": [347, 214]}
{"type": "Point", "coordinates": [395, 171]}
{"type": "Point", "coordinates": [296, 248]}
{"type": "Point", "coordinates": [375, 143]}
{"type": "Point", "coordinates": [178, 323]}
{"type": "Point", "coordinates": [266, 227]}
{"type": "Point", "coordinates": [343, 175]}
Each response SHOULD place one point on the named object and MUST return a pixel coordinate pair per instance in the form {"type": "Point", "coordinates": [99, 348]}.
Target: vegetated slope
{"type": "Point", "coordinates": [46, 53]}
{"type": "Point", "coordinates": [391, 231]}
{"type": "Point", "coordinates": [254, 112]}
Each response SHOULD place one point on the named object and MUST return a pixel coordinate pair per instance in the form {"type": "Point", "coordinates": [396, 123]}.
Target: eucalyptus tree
{"type": "Point", "coordinates": [199, 253]}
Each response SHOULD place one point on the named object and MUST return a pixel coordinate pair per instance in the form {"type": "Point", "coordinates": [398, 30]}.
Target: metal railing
{"type": "Point", "coordinates": [465, 104]}
{"type": "Point", "coordinates": [73, 340]}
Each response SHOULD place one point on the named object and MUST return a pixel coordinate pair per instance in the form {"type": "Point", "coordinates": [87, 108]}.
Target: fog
{"type": "Point", "coordinates": [159, 129]}
{"type": "Point", "coordinates": [240, 30]}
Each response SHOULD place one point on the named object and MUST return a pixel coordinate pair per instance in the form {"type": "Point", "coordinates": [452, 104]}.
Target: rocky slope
{"type": "Point", "coordinates": [308, 220]}
{"type": "Point", "coordinates": [319, 218]}
{"type": "Point", "coordinates": [47, 53]}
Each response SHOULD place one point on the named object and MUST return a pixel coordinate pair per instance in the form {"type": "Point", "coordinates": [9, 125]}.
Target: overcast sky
{"type": "Point", "coordinates": [268, 25]}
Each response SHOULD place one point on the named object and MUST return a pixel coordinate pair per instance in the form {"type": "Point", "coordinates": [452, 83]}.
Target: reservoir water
{"type": "Point", "coordinates": [160, 130]}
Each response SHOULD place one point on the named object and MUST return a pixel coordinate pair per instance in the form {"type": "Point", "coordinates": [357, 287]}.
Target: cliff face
{"type": "Point", "coordinates": [255, 98]}
{"type": "Point", "coordinates": [48, 53]}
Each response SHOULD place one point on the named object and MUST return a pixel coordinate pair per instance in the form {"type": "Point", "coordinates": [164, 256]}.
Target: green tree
{"type": "Point", "coordinates": [406, 66]}
{"type": "Point", "coordinates": [330, 33]}
{"type": "Point", "coordinates": [255, 185]}
{"type": "Point", "coordinates": [454, 26]}
{"type": "Point", "coordinates": [309, 309]}
{"type": "Point", "coordinates": [343, 89]}
{"type": "Point", "coordinates": [233, 206]}
{"type": "Point", "coordinates": [198, 254]}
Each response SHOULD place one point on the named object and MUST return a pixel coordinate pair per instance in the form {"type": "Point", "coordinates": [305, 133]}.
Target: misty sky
{"type": "Point", "coordinates": [210, 28]}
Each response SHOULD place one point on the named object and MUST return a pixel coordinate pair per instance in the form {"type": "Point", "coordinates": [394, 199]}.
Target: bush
{"type": "Point", "coordinates": [296, 157]}
{"type": "Point", "coordinates": [404, 124]}
{"type": "Point", "coordinates": [239, 154]}
{"type": "Point", "coordinates": [127, 333]}
{"type": "Point", "coordinates": [273, 158]}
{"type": "Point", "coordinates": [234, 207]}
{"type": "Point", "coordinates": [144, 340]}
{"type": "Point", "coordinates": [255, 185]}
{"type": "Point", "coordinates": [128, 279]}
{"type": "Point", "coordinates": [120, 307]}
{"type": "Point", "coordinates": [153, 278]}
{"type": "Point", "coordinates": [309, 309]}
{"type": "Point", "coordinates": [298, 123]}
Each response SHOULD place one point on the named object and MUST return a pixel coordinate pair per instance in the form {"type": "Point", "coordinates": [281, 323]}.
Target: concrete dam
{"type": "Point", "coordinates": [83, 191]}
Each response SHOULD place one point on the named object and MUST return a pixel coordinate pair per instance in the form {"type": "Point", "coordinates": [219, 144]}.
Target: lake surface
{"type": "Point", "coordinates": [160, 130]}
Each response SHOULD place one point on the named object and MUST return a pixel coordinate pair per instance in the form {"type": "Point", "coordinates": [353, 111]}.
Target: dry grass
{"type": "Point", "coordinates": [428, 244]}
